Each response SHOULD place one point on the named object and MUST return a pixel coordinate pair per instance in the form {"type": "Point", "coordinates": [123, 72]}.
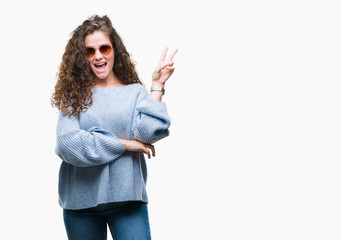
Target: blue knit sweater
{"type": "Point", "coordinates": [96, 168]}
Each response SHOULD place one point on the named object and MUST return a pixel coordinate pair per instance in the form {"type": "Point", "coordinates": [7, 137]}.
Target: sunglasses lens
{"type": "Point", "coordinates": [90, 52]}
{"type": "Point", "coordinates": [105, 49]}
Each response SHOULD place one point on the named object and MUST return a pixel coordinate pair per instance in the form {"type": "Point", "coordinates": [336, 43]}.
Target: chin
{"type": "Point", "coordinates": [102, 77]}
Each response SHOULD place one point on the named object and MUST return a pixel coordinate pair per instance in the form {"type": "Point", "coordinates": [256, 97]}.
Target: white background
{"type": "Point", "coordinates": [254, 151]}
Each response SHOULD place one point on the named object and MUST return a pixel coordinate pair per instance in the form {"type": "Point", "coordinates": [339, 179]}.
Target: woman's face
{"type": "Point", "coordinates": [100, 54]}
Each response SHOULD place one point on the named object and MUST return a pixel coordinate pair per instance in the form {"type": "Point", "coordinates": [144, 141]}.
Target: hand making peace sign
{"type": "Point", "coordinates": [164, 69]}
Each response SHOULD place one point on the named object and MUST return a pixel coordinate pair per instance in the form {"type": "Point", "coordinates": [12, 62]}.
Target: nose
{"type": "Point", "coordinates": [98, 55]}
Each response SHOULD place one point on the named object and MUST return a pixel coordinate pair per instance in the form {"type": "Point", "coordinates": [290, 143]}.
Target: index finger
{"type": "Point", "coordinates": [172, 55]}
{"type": "Point", "coordinates": [164, 53]}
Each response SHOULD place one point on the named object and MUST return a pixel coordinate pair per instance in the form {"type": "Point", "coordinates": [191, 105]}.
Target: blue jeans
{"type": "Point", "coordinates": [126, 221]}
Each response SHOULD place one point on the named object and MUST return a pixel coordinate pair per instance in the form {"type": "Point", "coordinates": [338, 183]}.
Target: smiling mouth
{"type": "Point", "coordinates": [100, 66]}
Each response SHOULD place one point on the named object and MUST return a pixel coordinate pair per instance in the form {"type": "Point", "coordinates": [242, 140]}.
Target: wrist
{"type": "Point", "coordinates": [161, 90]}
{"type": "Point", "coordinates": [158, 84]}
{"type": "Point", "coordinates": [124, 143]}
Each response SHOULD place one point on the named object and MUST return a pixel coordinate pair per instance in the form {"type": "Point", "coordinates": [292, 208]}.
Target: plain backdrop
{"type": "Point", "coordinates": [254, 150]}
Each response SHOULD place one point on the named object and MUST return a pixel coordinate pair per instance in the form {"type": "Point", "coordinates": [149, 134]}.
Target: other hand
{"type": "Point", "coordinates": [136, 146]}
{"type": "Point", "coordinates": [164, 69]}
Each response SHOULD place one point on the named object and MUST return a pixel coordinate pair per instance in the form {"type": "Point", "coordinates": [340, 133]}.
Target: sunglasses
{"type": "Point", "coordinates": [104, 49]}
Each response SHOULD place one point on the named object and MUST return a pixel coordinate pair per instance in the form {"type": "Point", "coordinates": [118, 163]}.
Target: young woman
{"type": "Point", "coordinates": [107, 122]}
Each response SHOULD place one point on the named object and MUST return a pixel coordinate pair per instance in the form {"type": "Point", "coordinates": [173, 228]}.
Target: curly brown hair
{"type": "Point", "coordinates": [73, 93]}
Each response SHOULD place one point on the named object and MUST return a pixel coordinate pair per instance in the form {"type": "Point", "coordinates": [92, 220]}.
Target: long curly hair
{"type": "Point", "coordinates": [75, 78]}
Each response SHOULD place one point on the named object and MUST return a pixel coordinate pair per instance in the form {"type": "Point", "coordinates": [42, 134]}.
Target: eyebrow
{"type": "Point", "coordinates": [105, 44]}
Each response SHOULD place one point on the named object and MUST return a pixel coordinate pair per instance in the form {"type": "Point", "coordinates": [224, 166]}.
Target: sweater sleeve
{"type": "Point", "coordinates": [83, 148]}
{"type": "Point", "coordinates": [152, 121]}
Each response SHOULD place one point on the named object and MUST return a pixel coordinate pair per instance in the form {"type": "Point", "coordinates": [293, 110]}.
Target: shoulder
{"type": "Point", "coordinates": [138, 87]}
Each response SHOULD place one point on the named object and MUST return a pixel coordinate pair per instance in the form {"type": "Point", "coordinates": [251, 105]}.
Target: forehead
{"type": "Point", "coordinates": [96, 38]}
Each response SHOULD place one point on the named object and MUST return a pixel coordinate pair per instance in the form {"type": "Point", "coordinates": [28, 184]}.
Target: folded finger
{"type": "Point", "coordinates": [153, 151]}
{"type": "Point", "coordinates": [151, 147]}
{"type": "Point", "coordinates": [148, 153]}
{"type": "Point", "coordinates": [170, 69]}
{"type": "Point", "coordinates": [170, 63]}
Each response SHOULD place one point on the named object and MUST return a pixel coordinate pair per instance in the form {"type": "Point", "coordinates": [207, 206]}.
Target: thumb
{"type": "Point", "coordinates": [160, 67]}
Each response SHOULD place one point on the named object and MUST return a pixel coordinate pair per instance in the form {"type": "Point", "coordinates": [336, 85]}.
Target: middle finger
{"type": "Point", "coordinates": [172, 55]}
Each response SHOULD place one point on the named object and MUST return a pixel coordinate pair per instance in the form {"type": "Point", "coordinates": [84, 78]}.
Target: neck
{"type": "Point", "coordinates": [110, 81]}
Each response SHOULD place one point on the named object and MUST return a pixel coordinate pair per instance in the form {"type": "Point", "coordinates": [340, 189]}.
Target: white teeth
{"type": "Point", "coordinates": [100, 64]}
